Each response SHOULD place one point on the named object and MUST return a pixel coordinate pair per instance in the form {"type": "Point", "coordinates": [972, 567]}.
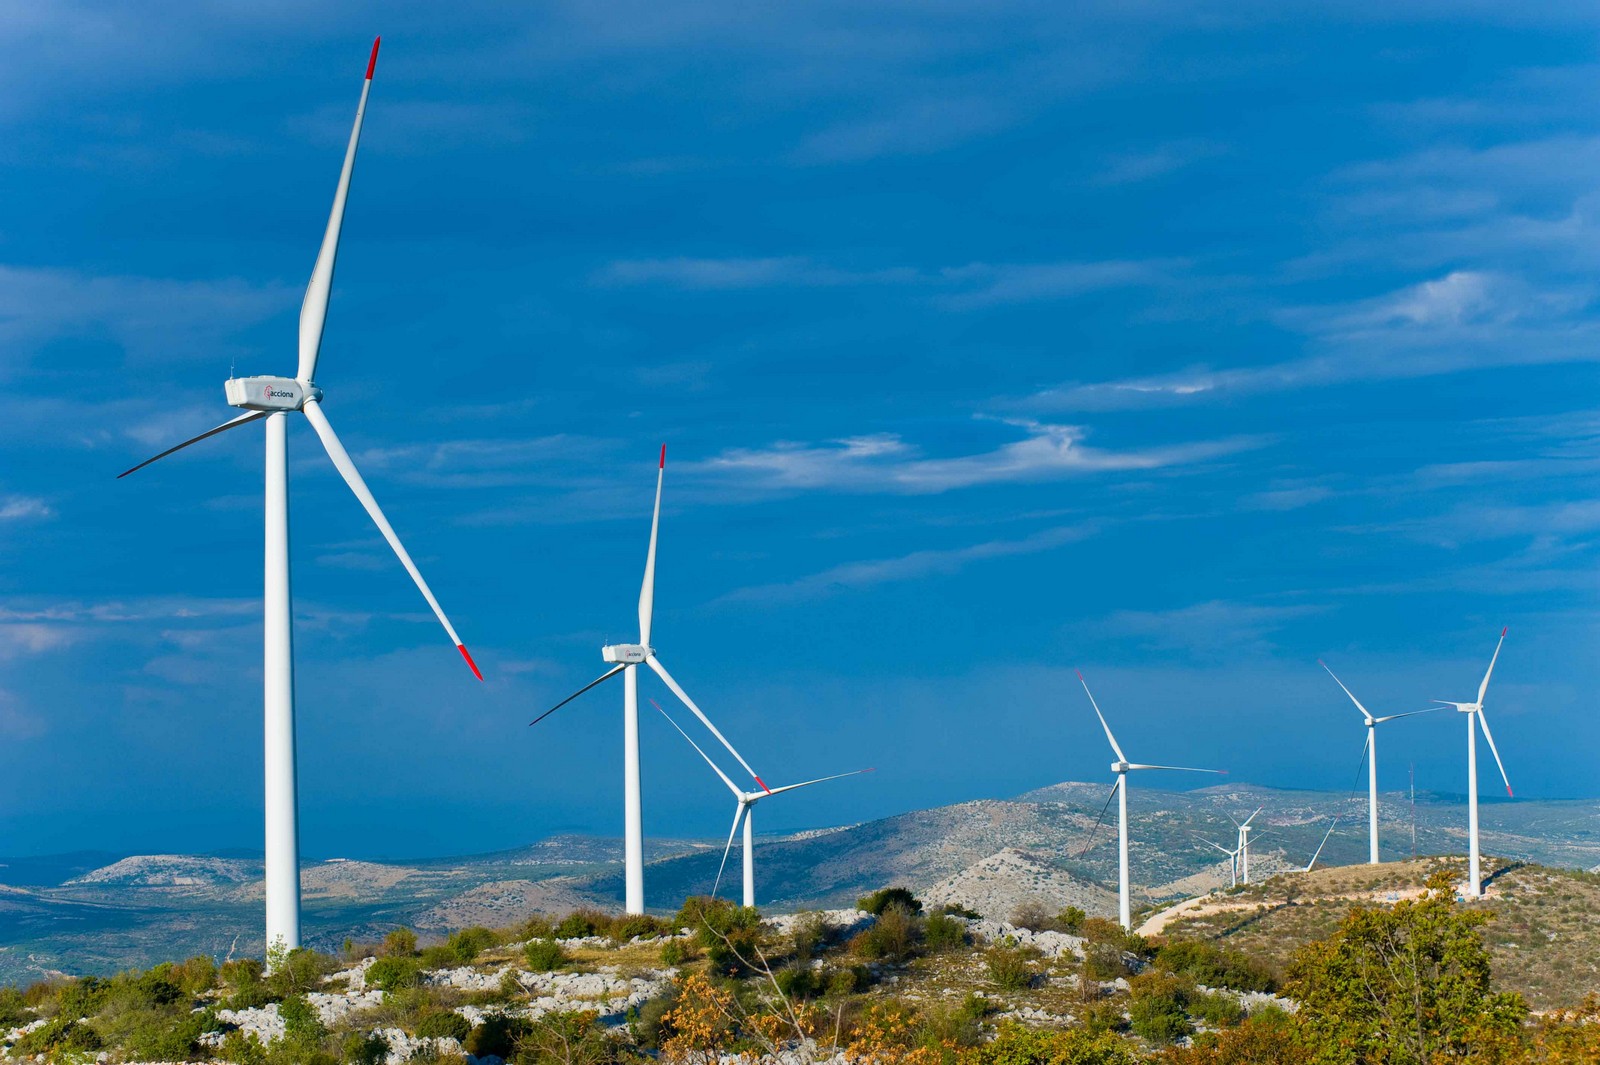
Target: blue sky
{"type": "Point", "coordinates": [1180, 344]}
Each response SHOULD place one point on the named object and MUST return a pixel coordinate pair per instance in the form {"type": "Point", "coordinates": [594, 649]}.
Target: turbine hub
{"type": "Point", "coordinates": [269, 393]}
{"type": "Point", "coordinates": [1120, 767]}
{"type": "Point", "coordinates": [629, 654]}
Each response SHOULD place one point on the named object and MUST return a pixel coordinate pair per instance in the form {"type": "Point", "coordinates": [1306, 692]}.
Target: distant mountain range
{"type": "Point", "coordinates": [99, 912]}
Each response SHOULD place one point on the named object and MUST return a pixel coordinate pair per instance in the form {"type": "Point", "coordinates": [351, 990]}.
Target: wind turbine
{"type": "Point", "coordinates": [1233, 860]}
{"type": "Point", "coordinates": [1122, 767]}
{"type": "Point", "coordinates": [1331, 826]}
{"type": "Point", "coordinates": [274, 399]}
{"type": "Point", "coordinates": [744, 806]}
{"type": "Point", "coordinates": [627, 658]}
{"type": "Point", "coordinates": [1371, 752]}
{"type": "Point", "coordinates": [1475, 710]}
{"type": "Point", "coordinates": [1244, 842]}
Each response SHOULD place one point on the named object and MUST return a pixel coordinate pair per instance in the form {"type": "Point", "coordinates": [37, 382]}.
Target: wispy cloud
{"type": "Point", "coordinates": [918, 564]}
{"type": "Point", "coordinates": [1214, 629]}
{"type": "Point", "coordinates": [151, 319]}
{"type": "Point", "coordinates": [1461, 321]}
{"type": "Point", "coordinates": [731, 274]}
{"type": "Point", "coordinates": [24, 508]}
{"type": "Point", "coordinates": [884, 462]}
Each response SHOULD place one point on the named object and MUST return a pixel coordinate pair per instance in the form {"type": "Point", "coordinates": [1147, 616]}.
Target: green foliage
{"type": "Point", "coordinates": [391, 973]}
{"type": "Point", "coordinates": [729, 934]}
{"type": "Point", "coordinates": [798, 982]}
{"type": "Point", "coordinates": [808, 935]}
{"type": "Point", "coordinates": [62, 1034]}
{"type": "Point", "coordinates": [1011, 967]}
{"type": "Point", "coordinates": [465, 945]}
{"type": "Point", "coordinates": [943, 931]}
{"type": "Point", "coordinates": [1206, 963]}
{"type": "Point", "coordinates": [1406, 986]}
{"type": "Point", "coordinates": [361, 1049]}
{"type": "Point", "coordinates": [167, 1036]}
{"type": "Point", "coordinates": [537, 926]}
{"type": "Point", "coordinates": [444, 1024]}
{"type": "Point", "coordinates": [1105, 945]}
{"type": "Point", "coordinates": [568, 1037]}
{"type": "Point", "coordinates": [83, 997]}
{"type": "Point", "coordinates": [622, 929]}
{"type": "Point", "coordinates": [1217, 1009]}
{"type": "Point", "coordinates": [879, 901]}
{"type": "Point", "coordinates": [1016, 1045]}
{"type": "Point", "coordinates": [14, 1009]}
{"type": "Point", "coordinates": [401, 943]}
{"type": "Point", "coordinates": [1158, 1011]}
{"type": "Point", "coordinates": [961, 1025]}
{"type": "Point", "coordinates": [244, 985]}
{"type": "Point", "coordinates": [1102, 1016]}
{"type": "Point", "coordinates": [1034, 917]}
{"type": "Point", "coordinates": [957, 910]}
{"type": "Point", "coordinates": [1265, 1038]}
{"type": "Point", "coordinates": [580, 923]}
{"type": "Point", "coordinates": [674, 952]}
{"type": "Point", "coordinates": [197, 975]}
{"type": "Point", "coordinates": [299, 971]}
{"type": "Point", "coordinates": [544, 955]}
{"type": "Point", "coordinates": [301, 1021]}
{"type": "Point", "coordinates": [895, 936]}
{"type": "Point", "coordinates": [496, 1035]}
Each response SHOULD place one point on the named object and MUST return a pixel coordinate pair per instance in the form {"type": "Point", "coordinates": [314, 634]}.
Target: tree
{"type": "Point", "coordinates": [1403, 986]}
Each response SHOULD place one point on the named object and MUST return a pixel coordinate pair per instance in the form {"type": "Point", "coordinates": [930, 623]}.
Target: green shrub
{"type": "Point", "coordinates": [537, 926]}
{"type": "Point", "coordinates": [635, 925]}
{"type": "Point", "coordinates": [444, 1024]}
{"type": "Point", "coordinates": [881, 900]}
{"type": "Point", "coordinates": [674, 952]}
{"type": "Point", "coordinates": [943, 932]}
{"type": "Point", "coordinates": [568, 1037]}
{"type": "Point", "coordinates": [1011, 967]}
{"type": "Point", "coordinates": [14, 1008]}
{"type": "Point", "coordinates": [957, 910]}
{"type": "Point", "coordinates": [1103, 1016]}
{"type": "Point", "coordinates": [468, 943]}
{"type": "Point", "coordinates": [894, 936]}
{"type": "Point", "coordinates": [63, 1033]}
{"type": "Point", "coordinates": [401, 943]}
{"type": "Point", "coordinates": [1158, 1011]}
{"type": "Point", "coordinates": [390, 974]}
{"type": "Point", "coordinates": [730, 934]}
{"type": "Point", "coordinates": [496, 1035]}
{"type": "Point", "coordinates": [244, 985]}
{"type": "Point", "coordinates": [1216, 1009]}
{"type": "Point", "coordinates": [544, 955]}
{"type": "Point", "coordinates": [797, 982]}
{"type": "Point", "coordinates": [359, 1049]}
{"type": "Point", "coordinates": [301, 1022]}
{"type": "Point", "coordinates": [197, 975]}
{"type": "Point", "coordinates": [299, 971]}
{"type": "Point", "coordinates": [808, 935]}
{"type": "Point", "coordinates": [581, 923]}
{"type": "Point", "coordinates": [1206, 963]}
{"type": "Point", "coordinates": [165, 1036]}
{"type": "Point", "coordinates": [439, 956]}
{"type": "Point", "coordinates": [83, 997]}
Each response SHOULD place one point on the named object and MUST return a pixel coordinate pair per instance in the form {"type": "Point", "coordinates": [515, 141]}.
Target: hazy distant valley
{"type": "Point", "coordinates": [97, 912]}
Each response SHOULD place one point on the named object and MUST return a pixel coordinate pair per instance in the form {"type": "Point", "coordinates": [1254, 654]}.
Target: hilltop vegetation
{"type": "Point", "coordinates": [888, 982]}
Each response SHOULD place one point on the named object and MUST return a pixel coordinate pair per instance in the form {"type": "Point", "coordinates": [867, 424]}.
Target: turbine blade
{"type": "Point", "coordinates": [1252, 817]}
{"type": "Point", "coordinates": [1483, 721]}
{"type": "Point", "coordinates": [661, 671]}
{"type": "Point", "coordinates": [314, 310]}
{"type": "Point", "coordinates": [352, 477]}
{"type": "Point", "coordinates": [607, 675]}
{"type": "Point", "coordinates": [1093, 832]}
{"type": "Point", "coordinates": [737, 791]}
{"type": "Point", "coordinates": [647, 590]}
{"type": "Point", "coordinates": [1408, 713]}
{"type": "Point", "coordinates": [1364, 712]}
{"type": "Point", "coordinates": [1120, 756]}
{"type": "Point", "coordinates": [248, 416]}
{"type": "Point", "coordinates": [738, 816]}
{"type": "Point", "coordinates": [1483, 689]}
{"type": "Point", "coordinates": [819, 780]}
{"type": "Point", "coordinates": [1321, 845]}
{"type": "Point", "coordinates": [1179, 768]}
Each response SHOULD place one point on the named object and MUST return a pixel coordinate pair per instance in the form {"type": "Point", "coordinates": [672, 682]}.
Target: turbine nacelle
{"type": "Point", "coordinates": [1121, 767]}
{"type": "Point", "coordinates": [269, 394]}
{"type": "Point", "coordinates": [628, 654]}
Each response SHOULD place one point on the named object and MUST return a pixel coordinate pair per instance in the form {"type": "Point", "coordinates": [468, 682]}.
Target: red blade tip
{"type": "Point", "coordinates": [372, 64]}
{"type": "Point", "coordinates": [463, 649]}
{"type": "Point", "coordinates": [1508, 792]}
{"type": "Point", "coordinates": [763, 784]}
{"type": "Point", "coordinates": [663, 457]}
{"type": "Point", "coordinates": [1504, 631]}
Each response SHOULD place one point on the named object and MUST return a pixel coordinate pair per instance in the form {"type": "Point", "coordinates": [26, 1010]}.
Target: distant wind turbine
{"type": "Point", "coordinates": [1331, 826]}
{"type": "Point", "coordinates": [1475, 710]}
{"type": "Point", "coordinates": [1372, 759]}
{"type": "Point", "coordinates": [744, 806]}
{"type": "Point", "coordinates": [1233, 860]}
{"type": "Point", "coordinates": [628, 657]}
{"type": "Point", "coordinates": [273, 399]}
{"type": "Point", "coordinates": [1244, 842]}
{"type": "Point", "coordinates": [1122, 767]}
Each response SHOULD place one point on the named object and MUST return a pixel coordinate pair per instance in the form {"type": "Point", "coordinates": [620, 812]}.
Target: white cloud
{"type": "Point", "coordinates": [852, 575]}
{"type": "Point", "coordinates": [1212, 629]}
{"type": "Point", "coordinates": [24, 508]}
{"type": "Point", "coordinates": [885, 463]}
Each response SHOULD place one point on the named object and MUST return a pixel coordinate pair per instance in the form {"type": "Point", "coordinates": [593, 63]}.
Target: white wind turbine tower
{"type": "Point", "coordinates": [744, 806]}
{"type": "Point", "coordinates": [1475, 710]}
{"type": "Point", "coordinates": [274, 399]}
{"type": "Point", "coordinates": [627, 658]}
{"type": "Point", "coordinates": [1372, 760]}
{"type": "Point", "coordinates": [1244, 842]}
{"type": "Point", "coordinates": [1233, 860]}
{"type": "Point", "coordinates": [1122, 767]}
